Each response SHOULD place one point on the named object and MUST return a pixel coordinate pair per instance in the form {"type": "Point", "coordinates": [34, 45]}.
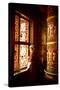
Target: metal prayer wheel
{"type": "Point", "coordinates": [51, 70]}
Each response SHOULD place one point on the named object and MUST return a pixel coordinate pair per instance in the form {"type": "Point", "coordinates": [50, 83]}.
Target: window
{"type": "Point", "coordinates": [23, 46]}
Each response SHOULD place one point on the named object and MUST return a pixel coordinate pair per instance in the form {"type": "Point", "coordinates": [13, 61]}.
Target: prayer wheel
{"type": "Point", "coordinates": [51, 70]}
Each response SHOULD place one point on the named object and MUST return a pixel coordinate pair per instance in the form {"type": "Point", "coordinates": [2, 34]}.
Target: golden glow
{"type": "Point", "coordinates": [51, 45]}
{"type": "Point", "coordinates": [51, 17]}
{"type": "Point", "coordinates": [24, 28]}
{"type": "Point", "coordinates": [16, 27]}
{"type": "Point", "coordinates": [31, 32]}
{"type": "Point", "coordinates": [23, 52]}
{"type": "Point", "coordinates": [51, 42]}
{"type": "Point", "coordinates": [31, 52]}
{"type": "Point", "coordinates": [16, 58]}
{"type": "Point", "coordinates": [51, 33]}
{"type": "Point", "coordinates": [23, 56]}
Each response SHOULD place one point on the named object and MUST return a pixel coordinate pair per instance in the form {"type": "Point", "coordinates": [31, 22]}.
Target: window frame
{"type": "Point", "coordinates": [20, 15]}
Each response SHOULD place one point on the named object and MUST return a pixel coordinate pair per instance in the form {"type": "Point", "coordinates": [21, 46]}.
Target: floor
{"type": "Point", "coordinates": [29, 79]}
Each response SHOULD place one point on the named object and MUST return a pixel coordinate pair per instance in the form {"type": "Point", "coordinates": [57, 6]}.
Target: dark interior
{"type": "Point", "coordinates": [35, 75]}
